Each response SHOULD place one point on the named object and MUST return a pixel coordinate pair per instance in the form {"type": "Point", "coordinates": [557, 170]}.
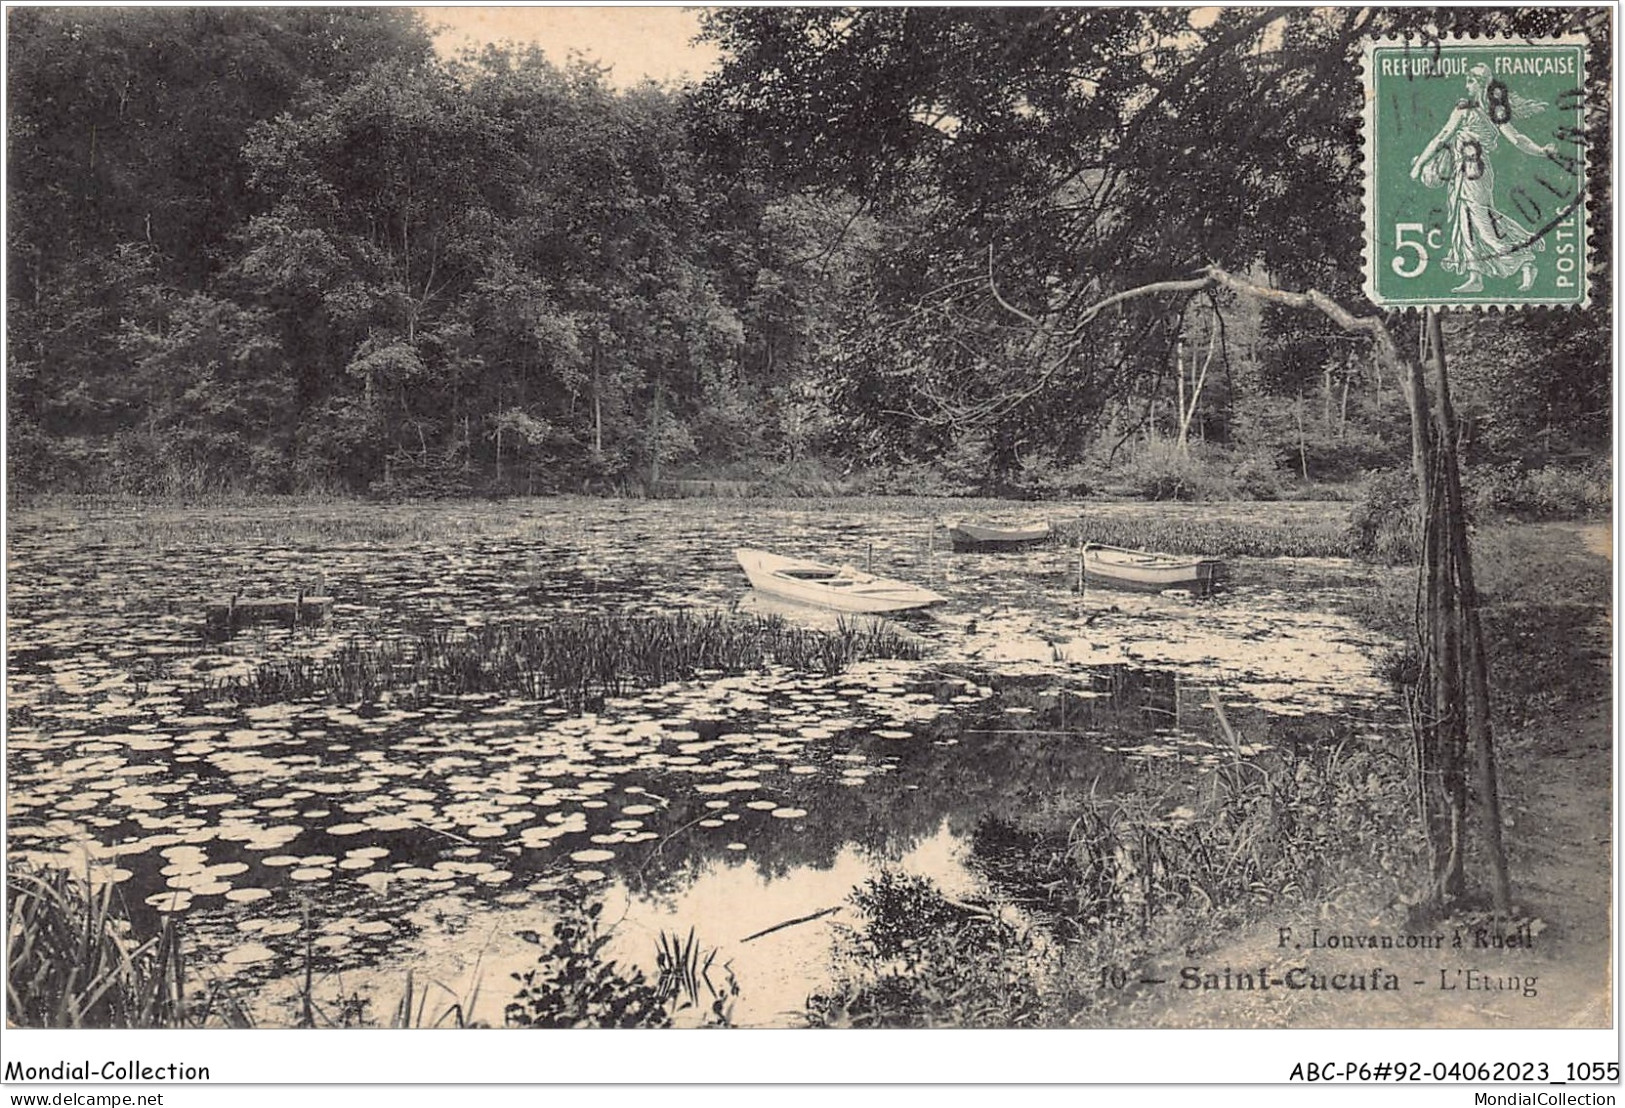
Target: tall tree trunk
{"type": "Point", "coordinates": [597, 403]}
{"type": "Point", "coordinates": [1179, 377]}
{"type": "Point", "coordinates": [1450, 701]}
{"type": "Point", "coordinates": [1188, 412]}
{"type": "Point", "coordinates": [1472, 672]}
{"type": "Point", "coordinates": [1435, 705]}
{"type": "Point", "coordinates": [1303, 456]}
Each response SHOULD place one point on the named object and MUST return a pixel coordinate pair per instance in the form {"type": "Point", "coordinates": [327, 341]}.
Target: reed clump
{"type": "Point", "coordinates": [577, 660]}
{"type": "Point", "coordinates": [685, 982]}
{"type": "Point", "coordinates": [74, 959]}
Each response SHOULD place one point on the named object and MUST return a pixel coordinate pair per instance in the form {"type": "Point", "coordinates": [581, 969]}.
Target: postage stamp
{"type": "Point", "coordinates": [1475, 173]}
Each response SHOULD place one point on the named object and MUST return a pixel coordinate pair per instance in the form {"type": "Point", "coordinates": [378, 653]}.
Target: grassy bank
{"type": "Point", "coordinates": [1541, 589]}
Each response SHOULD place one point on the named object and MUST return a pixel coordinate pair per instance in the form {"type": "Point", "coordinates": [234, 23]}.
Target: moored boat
{"type": "Point", "coordinates": [1122, 568]}
{"type": "Point", "coordinates": [969, 535]}
{"type": "Point", "coordinates": [842, 588]}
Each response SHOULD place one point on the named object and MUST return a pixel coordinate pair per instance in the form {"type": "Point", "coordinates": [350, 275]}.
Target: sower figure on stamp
{"type": "Point", "coordinates": [1483, 240]}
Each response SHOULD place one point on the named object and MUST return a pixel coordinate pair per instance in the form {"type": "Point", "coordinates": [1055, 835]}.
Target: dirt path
{"type": "Point", "coordinates": [1556, 778]}
{"type": "Point", "coordinates": [1598, 539]}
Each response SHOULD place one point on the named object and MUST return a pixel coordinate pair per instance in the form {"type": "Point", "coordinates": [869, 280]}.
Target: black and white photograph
{"type": "Point", "coordinates": [1089, 522]}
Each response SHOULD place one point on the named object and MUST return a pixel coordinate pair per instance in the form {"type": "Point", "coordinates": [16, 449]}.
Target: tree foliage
{"type": "Point", "coordinates": [293, 248]}
{"type": "Point", "coordinates": [1059, 155]}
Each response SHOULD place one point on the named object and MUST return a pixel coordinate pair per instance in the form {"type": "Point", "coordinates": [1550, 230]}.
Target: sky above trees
{"type": "Point", "coordinates": [638, 43]}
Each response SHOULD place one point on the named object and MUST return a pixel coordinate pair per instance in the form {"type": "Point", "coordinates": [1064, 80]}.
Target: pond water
{"type": "Point", "coordinates": [379, 839]}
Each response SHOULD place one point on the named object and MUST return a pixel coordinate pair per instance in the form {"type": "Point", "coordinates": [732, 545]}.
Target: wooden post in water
{"type": "Point", "coordinates": [869, 558]}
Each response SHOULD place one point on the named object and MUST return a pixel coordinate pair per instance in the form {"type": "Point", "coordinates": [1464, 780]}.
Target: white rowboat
{"type": "Point", "coordinates": [842, 588]}
{"type": "Point", "coordinates": [970, 535]}
{"type": "Point", "coordinates": [1144, 569]}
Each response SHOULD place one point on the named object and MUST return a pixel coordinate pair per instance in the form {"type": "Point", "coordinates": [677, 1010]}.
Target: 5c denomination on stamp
{"type": "Point", "coordinates": [1475, 173]}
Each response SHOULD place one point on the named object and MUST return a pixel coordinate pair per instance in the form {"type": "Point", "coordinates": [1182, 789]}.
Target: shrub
{"type": "Point", "coordinates": [413, 478]}
{"type": "Point", "coordinates": [40, 462]}
{"type": "Point", "coordinates": [1044, 478]}
{"type": "Point", "coordinates": [1161, 471]}
{"type": "Point", "coordinates": [1257, 478]}
{"type": "Point", "coordinates": [1383, 522]}
{"type": "Point", "coordinates": [575, 986]}
{"type": "Point", "coordinates": [911, 479]}
{"type": "Point", "coordinates": [1344, 457]}
{"type": "Point", "coordinates": [1549, 493]}
{"type": "Point", "coordinates": [921, 960]}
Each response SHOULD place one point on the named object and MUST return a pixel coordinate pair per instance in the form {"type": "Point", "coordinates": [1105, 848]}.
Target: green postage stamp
{"type": "Point", "coordinates": [1475, 173]}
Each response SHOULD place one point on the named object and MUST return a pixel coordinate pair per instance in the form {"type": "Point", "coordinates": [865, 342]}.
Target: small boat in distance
{"type": "Point", "coordinates": [842, 588]}
{"type": "Point", "coordinates": [968, 535]}
{"type": "Point", "coordinates": [1147, 570]}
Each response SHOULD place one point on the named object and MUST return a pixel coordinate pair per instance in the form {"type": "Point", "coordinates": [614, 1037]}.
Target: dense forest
{"type": "Point", "coordinates": [295, 250]}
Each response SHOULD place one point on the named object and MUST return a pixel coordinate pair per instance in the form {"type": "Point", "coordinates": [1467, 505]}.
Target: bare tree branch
{"type": "Point", "coordinates": [1057, 346]}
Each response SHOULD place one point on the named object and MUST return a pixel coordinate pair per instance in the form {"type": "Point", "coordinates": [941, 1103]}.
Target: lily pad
{"type": "Point", "coordinates": [248, 954]}
{"type": "Point", "coordinates": [247, 896]}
